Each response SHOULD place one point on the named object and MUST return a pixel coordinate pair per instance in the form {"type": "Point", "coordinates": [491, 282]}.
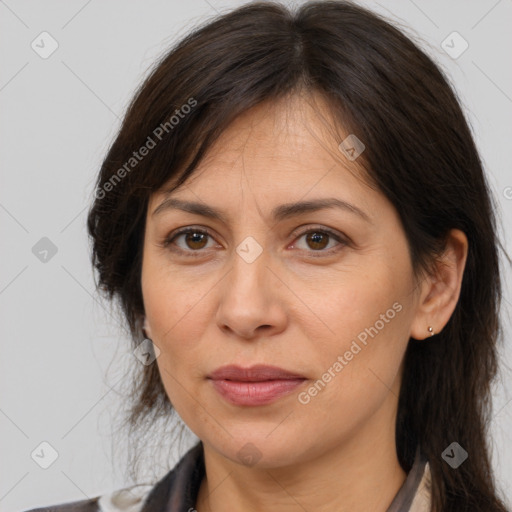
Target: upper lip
{"type": "Point", "coordinates": [256, 373]}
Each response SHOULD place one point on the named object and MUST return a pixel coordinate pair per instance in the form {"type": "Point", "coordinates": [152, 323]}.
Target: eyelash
{"type": "Point", "coordinates": [191, 253]}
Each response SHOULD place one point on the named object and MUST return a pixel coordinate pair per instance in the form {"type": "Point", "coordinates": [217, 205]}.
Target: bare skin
{"type": "Point", "coordinates": [299, 305]}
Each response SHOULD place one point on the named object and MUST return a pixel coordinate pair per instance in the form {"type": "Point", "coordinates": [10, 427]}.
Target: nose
{"type": "Point", "coordinates": [251, 302]}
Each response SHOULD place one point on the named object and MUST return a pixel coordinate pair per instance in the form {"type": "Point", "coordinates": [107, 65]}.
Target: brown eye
{"type": "Point", "coordinates": [321, 241]}
{"type": "Point", "coordinates": [189, 240]}
{"type": "Point", "coordinates": [195, 239]}
{"type": "Point", "coordinates": [317, 240]}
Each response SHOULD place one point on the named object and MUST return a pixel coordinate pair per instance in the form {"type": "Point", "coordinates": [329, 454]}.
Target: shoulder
{"type": "Point", "coordinates": [175, 490]}
{"type": "Point", "coordinates": [88, 505]}
{"type": "Point", "coordinates": [129, 499]}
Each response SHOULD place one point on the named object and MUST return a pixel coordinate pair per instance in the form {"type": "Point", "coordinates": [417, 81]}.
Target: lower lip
{"type": "Point", "coordinates": [255, 393]}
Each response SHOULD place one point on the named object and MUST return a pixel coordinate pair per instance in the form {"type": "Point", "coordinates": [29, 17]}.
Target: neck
{"type": "Point", "coordinates": [360, 475]}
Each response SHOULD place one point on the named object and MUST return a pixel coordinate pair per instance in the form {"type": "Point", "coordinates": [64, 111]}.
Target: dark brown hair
{"type": "Point", "coordinates": [419, 152]}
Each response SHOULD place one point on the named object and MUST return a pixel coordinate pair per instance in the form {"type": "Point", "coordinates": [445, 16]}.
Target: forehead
{"type": "Point", "coordinates": [287, 147]}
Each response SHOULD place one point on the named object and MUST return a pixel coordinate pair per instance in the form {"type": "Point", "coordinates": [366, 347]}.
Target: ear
{"type": "Point", "coordinates": [440, 292]}
{"type": "Point", "coordinates": [146, 329]}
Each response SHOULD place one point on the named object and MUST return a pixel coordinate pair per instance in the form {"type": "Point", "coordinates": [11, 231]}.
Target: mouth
{"type": "Point", "coordinates": [257, 385]}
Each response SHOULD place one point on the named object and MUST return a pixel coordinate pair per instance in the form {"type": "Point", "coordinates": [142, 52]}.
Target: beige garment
{"type": "Point", "coordinates": [422, 499]}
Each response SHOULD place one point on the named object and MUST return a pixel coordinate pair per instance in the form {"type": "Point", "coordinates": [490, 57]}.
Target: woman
{"type": "Point", "coordinates": [295, 221]}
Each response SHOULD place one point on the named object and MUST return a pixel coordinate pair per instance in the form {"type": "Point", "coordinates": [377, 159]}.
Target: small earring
{"type": "Point", "coordinates": [430, 330]}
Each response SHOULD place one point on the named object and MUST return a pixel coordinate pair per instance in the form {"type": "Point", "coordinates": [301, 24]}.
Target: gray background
{"type": "Point", "coordinates": [63, 351]}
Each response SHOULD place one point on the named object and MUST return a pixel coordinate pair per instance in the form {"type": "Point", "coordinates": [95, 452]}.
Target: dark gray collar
{"type": "Point", "coordinates": [404, 497]}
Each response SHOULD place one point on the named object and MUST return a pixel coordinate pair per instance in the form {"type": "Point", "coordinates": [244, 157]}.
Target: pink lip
{"type": "Point", "coordinates": [257, 385]}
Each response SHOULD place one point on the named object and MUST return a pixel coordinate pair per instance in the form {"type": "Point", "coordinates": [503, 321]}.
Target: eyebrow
{"type": "Point", "coordinates": [278, 213]}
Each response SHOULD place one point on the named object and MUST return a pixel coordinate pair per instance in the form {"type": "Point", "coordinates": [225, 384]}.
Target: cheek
{"type": "Point", "coordinates": [342, 310]}
{"type": "Point", "coordinates": [174, 311]}
{"type": "Point", "coordinates": [180, 311]}
{"type": "Point", "coordinates": [364, 321]}
{"type": "Point", "coordinates": [170, 295]}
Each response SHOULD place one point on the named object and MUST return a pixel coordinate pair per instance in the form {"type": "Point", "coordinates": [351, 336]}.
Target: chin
{"type": "Point", "coordinates": [260, 450]}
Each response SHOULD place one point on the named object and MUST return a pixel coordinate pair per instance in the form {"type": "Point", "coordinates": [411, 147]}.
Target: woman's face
{"type": "Point", "coordinates": [326, 294]}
